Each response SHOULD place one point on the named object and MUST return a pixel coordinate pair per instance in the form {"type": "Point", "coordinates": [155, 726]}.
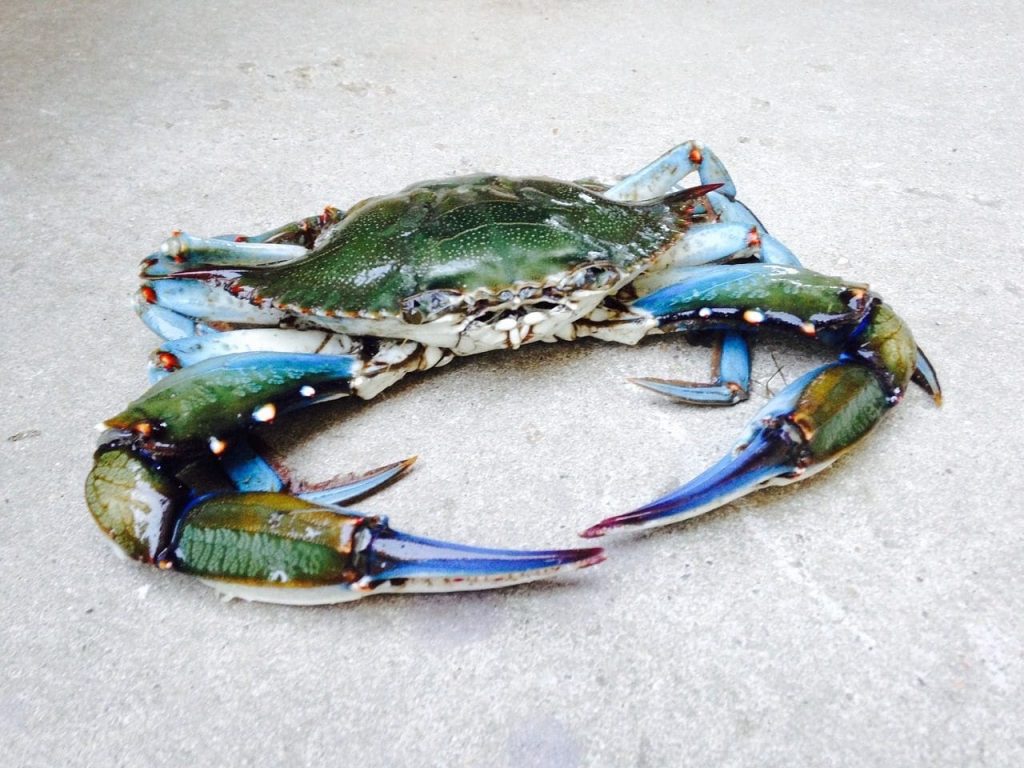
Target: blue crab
{"type": "Point", "coordinates": [347, 303]}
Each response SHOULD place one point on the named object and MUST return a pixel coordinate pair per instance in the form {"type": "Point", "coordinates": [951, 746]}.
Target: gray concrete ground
{"type": "Point", "coordinates": [870, 617]}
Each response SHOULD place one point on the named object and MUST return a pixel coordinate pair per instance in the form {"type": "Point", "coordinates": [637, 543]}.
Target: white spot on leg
{"type": "Point", "coordinates": [265, 413]}
{"type": "Point", "coordinates": [307, 391]}
{"type": "Point", "coordinates": [753, 316]}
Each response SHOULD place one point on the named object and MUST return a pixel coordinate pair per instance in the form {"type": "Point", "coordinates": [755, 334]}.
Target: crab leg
{"type": "Point", "coordinates": [285, 243]}
{"type": "Point", "coordinates": [249, 471]}
{"type": "Point", "coordinates": [733, 236]}
{"type": "Point", "coordinates": [189, 350]}
{"type": "Point", "coordinates": [735, 233]}
{"type": "Point", "coordinates": [267, 545]}
{"type": "Point", "coordinates": [661, 176]}
{"type": "Point", "coordinates": [278, 548]}
{"type": "Point", "coordinates": [730, 369]}
{"type": "Point", "coordinates": [731, 355]}
{"type": "Point", "coordinates": [819, 416]}
{"type": "Point", "coordinates": [165, 306]}
{"type": "Point", "coordinates": [302, 232]}
{"type": "Point", "coordinates": [731, 351]}
{"type": "Point", "coordinates": [182, 252]}
{"type": "Point", "coordinates": [210, 402]}
{"type": "Point", "coordinates": [225, 391]}
{"type": "Point", "coordinates": [213, 401]}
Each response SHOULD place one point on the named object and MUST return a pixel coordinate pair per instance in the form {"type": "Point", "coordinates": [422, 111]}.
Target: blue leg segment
{"type": "Point", "coordinates": [432, 565]}
{"type": "Point", "coordinates": [172, 308]}
{"type": "Point", "coordinates": [770, 250]}
{"type": "Point", "coordinates": [730, 374]}
{"type": "Point", "coordinates": [352, 487]}
{"type": "Point", "coordinates": [250, 472]}
{"type": "Point", "coordinates": [276, 246]}
{"type": "Point", "coordinates": [184, 251]}
{"type": "Point", "coordinates": [663, 175]}
{"type": "Point", "coordinates": [168, 324]}
{"type": "Point", "coordinates": [180, 353]}
{"type": "Point", "coordinates": [294, 232]}
{"type": "Point", "coordinates": [188, 297]}
{"type": "Point", "coordinates": [738, 233]}
{"type": "Point", "coordinates": [715, 242]}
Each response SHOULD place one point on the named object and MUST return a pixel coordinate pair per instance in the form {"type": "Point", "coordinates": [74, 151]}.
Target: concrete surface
{"type": "Point", "coordinates": [871, 617]}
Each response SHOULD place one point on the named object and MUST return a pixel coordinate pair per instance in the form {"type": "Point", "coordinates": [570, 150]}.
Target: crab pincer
{"type": "Point", "coordinates": [259, 541]}
{"type": "Point", "coordinates": [816, 418]}
{"type": "Point", "coordinates": [280, 548]}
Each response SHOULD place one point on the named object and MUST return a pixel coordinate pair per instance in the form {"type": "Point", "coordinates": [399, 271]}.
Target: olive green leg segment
{"type": "Point", "coordinates": [268, 538]}
{"type": "Point", "coordinates": [211, 401]}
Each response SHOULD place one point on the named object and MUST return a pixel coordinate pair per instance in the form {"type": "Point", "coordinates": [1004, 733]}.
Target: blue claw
{"type": "Point", "coordinates": [348, 489]}
{"type": "Point", "coordinates": [277, 548]}
{"type": "Point", "coordinates": [731, 373]}
{"type": "Point", "coordinates": [770, 456]}
{"type": "Point", "coordinates": [250, 472]}
{"type": "Point", "coordinates": [801, 431]}
{"type": "Point", "coordinates": [416, 564]}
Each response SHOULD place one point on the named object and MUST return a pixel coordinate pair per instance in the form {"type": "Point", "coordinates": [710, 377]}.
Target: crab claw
{"type": "Point", "coordinates": [402, 562]}
{"type": "Point", "coordinates": [768, 456]}
{"type": "Point", "coordinates": [278, 548]}
{"type": "Point", "coordinates": [801, 431]}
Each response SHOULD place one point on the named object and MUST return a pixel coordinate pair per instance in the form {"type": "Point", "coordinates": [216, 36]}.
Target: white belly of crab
{"type": "Point", "coordinates": [508, 329]}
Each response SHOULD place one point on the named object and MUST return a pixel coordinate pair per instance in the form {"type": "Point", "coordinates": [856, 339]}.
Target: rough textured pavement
{"type": "Point", "coordinates": [870, 617]}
